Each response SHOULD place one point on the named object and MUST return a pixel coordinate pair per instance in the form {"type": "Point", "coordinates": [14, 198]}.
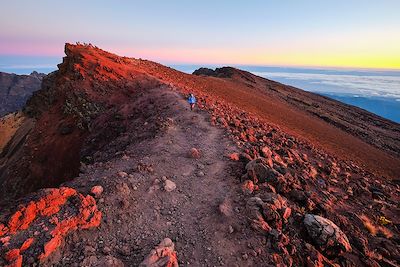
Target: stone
{"type": "Point", "coordinates": [162, 255]}
{"type": "Point", "coordinates": [248, 187]}
{"type": "Point", "coordinates": [169, 185]}
{"type": "Point", "coordinates": [194, 153]}
{"type": "Point", "coordinates": [266, 152]}
{"type": "Point", "coordinates": [326, 235]}
{"type": "Point", "coordinates": [234, 156]}
{"type": "Point", "coordinates": [97, 190]}
{"type": "Point", "coordinates": [226, 207]}
{"type": "Point", "coordinates": [106, 261]}
{"type": "Point", "coordinates": [122, 174]}
{"type": "Point", "coordinates": [259, 171]}
{"type": "Point", "coordinates": [27, 224]}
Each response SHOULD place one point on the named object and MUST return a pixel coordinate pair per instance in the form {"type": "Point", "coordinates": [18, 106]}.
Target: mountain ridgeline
{"type": "Point", "coordinates": [259, 174]}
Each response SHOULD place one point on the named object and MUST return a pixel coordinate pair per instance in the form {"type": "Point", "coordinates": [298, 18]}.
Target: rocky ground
{"type": "Point", "coordinates": [159, 185]}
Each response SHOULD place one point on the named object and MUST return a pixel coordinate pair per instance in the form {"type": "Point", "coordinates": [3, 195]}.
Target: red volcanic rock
{"type": "Point", "coordinates": [259, 171]}
{"type": "Point", "coordinates": [266, 152]}
{"type": "Point", "coordinates": [80, 212]}
{"type": "Point", "coordinates": [248, 187]}
{"type": "Point", "coordinates": [163, 255]}
{"type": "Point", "coordinates": [97, 190]}
{"type": "Point", "coordinates": [234, 156]}
{"type": "Point", "coordinates": [194, 153]}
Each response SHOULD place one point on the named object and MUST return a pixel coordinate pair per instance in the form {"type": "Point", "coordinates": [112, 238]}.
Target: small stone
{"type": "Point", "coordinates": [97, 190]}
{"type": "Point", "coordinates": [124, 250]}
{"type": "Point", "coordinates": [248, 187]}
{"type": "Point", "coordinates": [194, 153]}
{"type": "Point", "coordinates": [200, 174]}
{"type": "Point", "coordinates": [164, 178]}
{"type": "Point", "coordinates": [200, 166]}
{"type": "Point", "coordinates": [234, 156]}
{"type": "Point", "coordinates": [245, 256]}
{"type": "Point", "coordinates": [106, 250]}
{"type": "Point", "coordinates": [169, 185]}
{"type": "Point", "coordinates": [230, 229]}
{"type": "Point", "coordinates": [122, 174]}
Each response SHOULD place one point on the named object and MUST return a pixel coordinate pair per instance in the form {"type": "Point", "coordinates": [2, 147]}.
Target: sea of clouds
{"type": "Point", "coordinates": [357, 85]}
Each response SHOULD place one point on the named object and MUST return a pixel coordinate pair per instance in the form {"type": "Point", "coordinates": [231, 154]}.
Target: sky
{"type": "Point", "coordinates": [329, 33]}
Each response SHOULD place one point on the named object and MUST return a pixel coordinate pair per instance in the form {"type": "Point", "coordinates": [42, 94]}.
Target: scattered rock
{"type": "Point", "coordinates": [169, 185]}
{"type": "Point", "coordinates": [97, 190]}
{"type": "Point", "coordinates": [81, 213]}
{"type": "Point", "coordinates": [259, 171]}
{"type": "Point", "coordinates": [194, 153]}
{"type": "Point", "coordinates": [124, 189]}
{"type": "Point", "coordinates": [163, 255]}
{"type": "Point", "coordinates": [326, 235]}
{"type": "Point", "coordinates": [122, 174]}
{"type": "Point", "coordinates": [105, 261]}
{"type": "Point", "coordinates": [226, 207]}
{"type": "Point", "coordinates": [234, 156]}
{"type": "Point", "coordinates": [248, 187]}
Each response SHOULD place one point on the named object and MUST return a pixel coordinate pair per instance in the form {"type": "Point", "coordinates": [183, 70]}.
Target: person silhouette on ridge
{"type": "Point", "coordinates": [192, 101]}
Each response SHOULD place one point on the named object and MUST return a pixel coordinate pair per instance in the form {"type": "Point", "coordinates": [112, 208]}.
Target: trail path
{"type": "Point", "coordinates": [204, 215]}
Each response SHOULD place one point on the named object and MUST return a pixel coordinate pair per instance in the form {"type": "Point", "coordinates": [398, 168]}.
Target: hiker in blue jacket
{"type": "Point", "coordinates": [192, 101]}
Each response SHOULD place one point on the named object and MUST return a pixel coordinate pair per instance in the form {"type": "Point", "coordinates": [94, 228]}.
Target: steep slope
{"type": "Point", "coordinates": [16, 89]}
{"type": "Point", "coordinates": [367, 126]}
{"type": "Point", "coordinates": [229, 184]}
{"type": "Point", "coordinates": [298, 121]}
{"type": "Point", "coordinates": [48, 152]}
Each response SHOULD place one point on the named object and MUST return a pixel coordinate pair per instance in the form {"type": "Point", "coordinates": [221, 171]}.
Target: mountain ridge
{"type": "Point", "coordinates": [238, 181]}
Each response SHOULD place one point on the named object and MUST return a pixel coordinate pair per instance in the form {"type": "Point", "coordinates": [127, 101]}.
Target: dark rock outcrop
{"type": "Point", "coordinates": [16, 89]}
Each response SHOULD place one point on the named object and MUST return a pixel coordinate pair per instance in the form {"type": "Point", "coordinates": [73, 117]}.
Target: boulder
{"type": "Point", "coordinates": [267, 212]}
{"type": "Point", "coordinates": [259, 171]}
{"type": "Point", "coordinates": [326, 235]}
{"type": "Point", "coordinates": [169, 186]}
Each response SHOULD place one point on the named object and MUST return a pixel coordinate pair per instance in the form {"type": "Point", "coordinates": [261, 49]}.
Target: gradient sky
{"type": "Point", "coordinates": [334, 33]}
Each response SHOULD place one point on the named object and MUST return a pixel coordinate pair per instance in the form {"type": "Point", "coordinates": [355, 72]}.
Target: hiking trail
{"type": "Point", "coordinates": [203, 215]}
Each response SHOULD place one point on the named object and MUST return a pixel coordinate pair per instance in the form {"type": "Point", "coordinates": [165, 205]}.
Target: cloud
{"type": "Point", "coordinates": [385, 86]}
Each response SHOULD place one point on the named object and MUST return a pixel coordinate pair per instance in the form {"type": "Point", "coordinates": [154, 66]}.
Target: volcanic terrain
{"type": "Point", "coordinates": [107, 166]}
{"type": "Point", "coordinates": [16, 89]}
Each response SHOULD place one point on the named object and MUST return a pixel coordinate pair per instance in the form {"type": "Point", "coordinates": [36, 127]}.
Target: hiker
{"type": "Point", "coordinates": [192, 101]}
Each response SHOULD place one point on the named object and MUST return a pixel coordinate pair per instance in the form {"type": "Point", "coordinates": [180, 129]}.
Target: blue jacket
{"type": "Point", "coordinates": [192, 100]}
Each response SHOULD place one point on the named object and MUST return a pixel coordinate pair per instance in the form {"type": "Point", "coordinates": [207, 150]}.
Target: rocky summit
{"type": "Point", "coordinates": [106, 165]}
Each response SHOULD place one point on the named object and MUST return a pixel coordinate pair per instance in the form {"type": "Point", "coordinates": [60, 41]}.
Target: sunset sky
{"type": "Point", "coordinates": [332, 33]}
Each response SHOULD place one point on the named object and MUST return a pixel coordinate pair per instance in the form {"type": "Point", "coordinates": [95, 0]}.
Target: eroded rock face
{"type": "Point", "coordinates": [326, 235]}
{"type": "Point", "coordinates": [163, 255]}
{"type": "Point", "coordinates": [37, 229]}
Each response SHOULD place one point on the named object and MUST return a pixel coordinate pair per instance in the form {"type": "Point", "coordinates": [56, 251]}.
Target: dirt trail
{"type": "Point", "coordinates": [138, 213]}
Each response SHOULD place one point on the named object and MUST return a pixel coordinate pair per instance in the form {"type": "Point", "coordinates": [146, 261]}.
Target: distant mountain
{"type": "Point", "coordinates": [16, 89]}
